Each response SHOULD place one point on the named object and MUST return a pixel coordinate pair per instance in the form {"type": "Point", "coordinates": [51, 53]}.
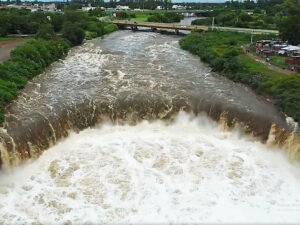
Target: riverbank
{"type": "Point", "coordinates": [26, 62]}
{"type": "Point", "coordinates": [223, 52]}
{"type": "Point", "coordinates": [106, 80]}
{"type": "Point", "coordinates": [30, 60]}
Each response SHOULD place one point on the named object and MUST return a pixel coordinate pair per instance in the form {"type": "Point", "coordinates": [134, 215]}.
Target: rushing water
{"type": "Point", "coordinates": [186, 171]}
{"type": "Point", "coordinates": [142, 162]}
{"type": "Point", "coordinates": [126, 76]}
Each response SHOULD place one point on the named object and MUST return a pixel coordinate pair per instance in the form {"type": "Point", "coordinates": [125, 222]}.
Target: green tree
{"type": "Point", "coordinates": [73, 33]}
{"type": "Point", "coordinates": [57, 21]}
{"type": "Point", "coordinates": [45, 31]}
{"type": "Point", "coordinates": [289, 24]}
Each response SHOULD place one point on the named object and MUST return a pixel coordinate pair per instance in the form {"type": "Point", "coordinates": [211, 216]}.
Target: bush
{"type": "Point", "coordinates": [73, 33]}
{"type": "Point", "coordinates": [45, 31]}
{"type": "Point", "coordinates": [109, 28]}
{"type": "Point", "coordinates": [204, 21]}
{"type": "Point", "coordinates": [168, 17]}
{"type": "Point", "coordinates": [26, 62]}
{"type": "Point", "coordinates": [220, 50]}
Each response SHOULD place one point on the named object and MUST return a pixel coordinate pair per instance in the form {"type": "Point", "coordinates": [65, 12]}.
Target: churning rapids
{"type": "Point", "coordinates": [142, 161]}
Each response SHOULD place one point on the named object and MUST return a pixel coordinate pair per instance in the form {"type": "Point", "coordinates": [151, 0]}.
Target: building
{"type": "Point", "coordinates": [291, 50]}
{"type": "Point", "coordinates": [294, 63]}
{"type": "Point", "coordinates": [87, 8]}
{"type": "Point", "coordinates": [122, 7]}
{"type": "Point", "coordinates": [33, 7]}
{"type": "Point", "coordinates": [178, 7]}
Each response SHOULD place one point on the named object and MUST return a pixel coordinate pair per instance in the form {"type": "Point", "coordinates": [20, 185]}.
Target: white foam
{"type": "Point", "coordinates": [188, 171]}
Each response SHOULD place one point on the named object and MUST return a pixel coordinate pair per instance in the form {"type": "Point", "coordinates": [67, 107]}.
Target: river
{"type": "Point", "coordinates": [141, 161]}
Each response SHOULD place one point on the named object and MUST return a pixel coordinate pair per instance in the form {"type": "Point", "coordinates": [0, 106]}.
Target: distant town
{"type": "Point", "coordinates": [57, 6]}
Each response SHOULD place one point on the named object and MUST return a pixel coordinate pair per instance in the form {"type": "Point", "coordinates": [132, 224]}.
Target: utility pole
{"type": "Point", "coordinates": [213, 23]}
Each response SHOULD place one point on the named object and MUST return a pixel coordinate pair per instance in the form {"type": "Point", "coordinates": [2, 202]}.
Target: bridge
{"type": "Point", "coordinates": [177, 27]}
{"type": "Point", "coordinates": [154, 26]}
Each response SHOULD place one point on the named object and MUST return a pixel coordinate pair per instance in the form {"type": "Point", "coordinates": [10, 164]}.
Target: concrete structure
{"type": "Point", "coordinates": [178, 7]}
{"type": "Point", "coordinates": [177, 27]}
{"type": "Point", "coordinates": [155, 26]}
{"type": "Point", "coordinates": [122, 7]}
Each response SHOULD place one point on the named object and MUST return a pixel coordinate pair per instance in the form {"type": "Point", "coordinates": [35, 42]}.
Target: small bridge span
{"type": "Point", "coordinates": [177, 27]}
{"type": "Point", "coordinates": [154, 26]}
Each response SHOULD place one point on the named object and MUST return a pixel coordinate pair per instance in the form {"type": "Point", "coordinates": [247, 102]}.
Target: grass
{"type": "Point", "coordinates": [279, 61]}
{"type": "Point", "coordinates": [257, 67]}
{"type": "Point", "coordinates": [141, 17]}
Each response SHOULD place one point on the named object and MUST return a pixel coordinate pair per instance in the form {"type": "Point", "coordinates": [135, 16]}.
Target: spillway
{"type": "Point", "coordinates": [132, 129]}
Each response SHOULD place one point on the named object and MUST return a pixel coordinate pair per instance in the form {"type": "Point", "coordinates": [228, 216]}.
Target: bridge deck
{"type": "Point", "coordinates": [177, 27]}
{"type": "Point", "coordinates": [172, 26]}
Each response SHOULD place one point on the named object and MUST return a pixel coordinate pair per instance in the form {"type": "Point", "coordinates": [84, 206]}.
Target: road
{"type": "Point", "coordinates": [245, 30]}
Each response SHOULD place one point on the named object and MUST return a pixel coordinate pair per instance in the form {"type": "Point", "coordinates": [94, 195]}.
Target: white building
{"type": "Point", "coordinates": [87, 8]}
{"type": "Point", "coordinates": [35, 7]}
{"type": "Point", "coordinates": [49, 7]}
{"type": "Point", "coordinates": [122, 7]}
{"type": "Point", "coordinates": [178, 7]}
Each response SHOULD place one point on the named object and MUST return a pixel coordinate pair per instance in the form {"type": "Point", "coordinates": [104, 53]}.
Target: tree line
{"type": "Point", "coordinates": [221, 50]}
{"type": "Point", "coordinates": [273, 14]}
{"type": "Point", "coordinates": [54, 33]}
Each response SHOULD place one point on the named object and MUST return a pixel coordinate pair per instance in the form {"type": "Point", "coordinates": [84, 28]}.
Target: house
{"type": "Point", "coordinates": [263, 45]}
{"type": "Point", "coordinates": [87, 8]}
{"type": "Point", "coordinates": [34, 7]}
{"type": "Point", "coordinates": [49, 7]}
{"type": "Point", "coordinates": [122, 7]}
{"type": "Point", "coordinates": [178, 7]}
{"type": "Point", "coordinates": [294, 63]}
{"type": "Point", "coordinates": [291, 50]}
{"type": "Point", "coordinates": [278, 47]}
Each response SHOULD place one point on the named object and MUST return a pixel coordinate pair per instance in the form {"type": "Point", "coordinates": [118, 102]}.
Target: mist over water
{"type": "Point", "coordinates": [189, 170]}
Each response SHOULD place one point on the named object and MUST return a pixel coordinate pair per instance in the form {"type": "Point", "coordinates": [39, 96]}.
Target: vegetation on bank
{"type": "Point", "coordinates": [223, 52]}
{"type": "Point", "coordinates": [167, 17]}
{"type": "Point", "coordinates": [26, 62]}
{"type": "Point", "coordinates": [151, 16]}
{"type": "Point", "coordinates": [72, 25]}
{"type": "Point", "coordinates": [282, 15]}
{"type": "Point", "coordinates": [256, 20]}
{"type": "Point", "coordinates": [31, 58]}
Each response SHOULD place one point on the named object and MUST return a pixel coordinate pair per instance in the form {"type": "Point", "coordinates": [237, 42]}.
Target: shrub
{"type": "Point", "coordinates": [109, 28]}
{"type": "Point", "coordinates": [45, 31]}
{"type": "Point", "coordinates": [73, 33]}
{"type": "Point", "coordinates": [26, 62]}
{"type": "Point", "coordinates": [168, 17]}
{"type": "Point", "coordinates": [220, 50]}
